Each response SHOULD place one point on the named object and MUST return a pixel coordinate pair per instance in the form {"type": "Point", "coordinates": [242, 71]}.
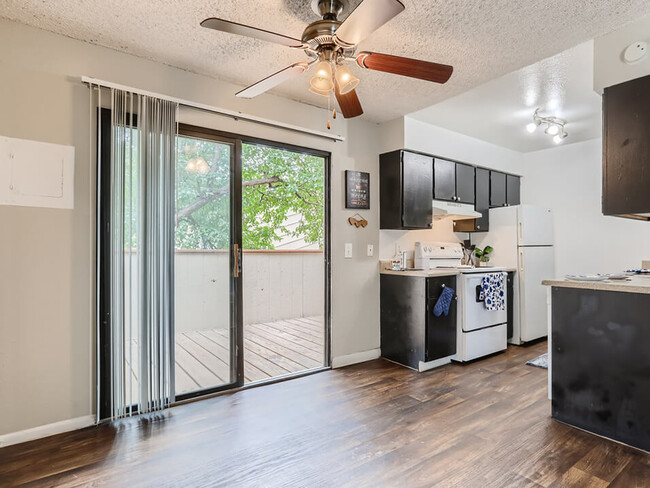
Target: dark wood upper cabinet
{"type": "Point", "coordinates": [513, 192]}
{"type": "Point", "coordinates": [465, 183]}
{"type": "Point", "coordinates": [453, 181]}
{"type": "Point", "coordinates": [444, 180]}
{"type": "Point", "coordinates": [497, 189]}
{"type": "Point", "coordinates": [626, 149]}
{"type": "Point", "coordinates": [405, 190]}
{"type": "Point", "coordinates": [482, 205]}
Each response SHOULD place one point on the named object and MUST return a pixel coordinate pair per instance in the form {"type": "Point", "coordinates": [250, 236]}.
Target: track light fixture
{"type": "Point", "coordinates": [554, 126]}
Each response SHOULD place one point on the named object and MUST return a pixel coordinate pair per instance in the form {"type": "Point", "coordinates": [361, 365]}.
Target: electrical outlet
{"type": "Point", "coordinates": [371, 250]}
{"type": "Point", "coordinates": [348, 250]}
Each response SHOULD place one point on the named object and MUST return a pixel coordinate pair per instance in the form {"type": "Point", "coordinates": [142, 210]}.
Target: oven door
{"type": "Point", "coordinates": [475, 314]}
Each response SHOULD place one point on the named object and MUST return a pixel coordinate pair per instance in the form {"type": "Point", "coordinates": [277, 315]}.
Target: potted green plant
{"type": "Point", "coordinates": [483, 255]}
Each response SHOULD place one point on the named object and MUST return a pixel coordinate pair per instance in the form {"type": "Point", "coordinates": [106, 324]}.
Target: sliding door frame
{"type": "Point", "coordinates": [212, 134]}
{"type": "Point", "coordinates": [236, 281]}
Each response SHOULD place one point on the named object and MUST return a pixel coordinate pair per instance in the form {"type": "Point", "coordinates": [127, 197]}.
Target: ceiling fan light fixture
{"type": "Point", "coordinates": [346, 80]}
{"type": "Point", "coordinates": [322, 79]}
{"type": "Point", "coordinates": [324, 93]}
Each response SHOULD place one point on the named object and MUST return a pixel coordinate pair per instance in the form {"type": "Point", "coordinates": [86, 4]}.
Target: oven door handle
{"type": "Point", "coordinates": [479, 289]}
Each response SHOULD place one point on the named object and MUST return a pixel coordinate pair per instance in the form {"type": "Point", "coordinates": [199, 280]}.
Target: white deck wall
{"type": "Point", "coordinates": [277, 285]}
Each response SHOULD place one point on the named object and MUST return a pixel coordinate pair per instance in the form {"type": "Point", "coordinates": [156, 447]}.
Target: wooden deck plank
{"type": "Point", "coordinates": [195, 369]}
{"type": "Point", "coordinates": [182, 380]}
{"type": "Point", "coordinates": [307, 322]}
{"type": "Point", "coordinates": [251, 371]}
{"type": "Point", "coordinates": [280, 348]}
{"type": "Point", "coordinates": [296, 330]}
{"type": "Point", "coordinates": [284, 329]}
{"type": "Point", "coordinates": [205, 355]}
{"type": "Point", "coordinates": [287, 364]}
{"type": "Point", "coordinates": [306, 348]}
{"type": "Point", "coordinates": [270, 349]}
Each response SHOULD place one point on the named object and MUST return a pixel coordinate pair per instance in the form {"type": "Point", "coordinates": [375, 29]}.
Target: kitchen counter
{"type": "Point", "coordinates": [422, 273]}
{"type": "Point", "coordinates": [599, 358]}
{"type": "Point", "coordinates": [431, 273]}
{"type": "Point", "coordinates": [637, 284]}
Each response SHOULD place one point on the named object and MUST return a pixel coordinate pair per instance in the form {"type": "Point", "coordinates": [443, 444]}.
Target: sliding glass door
{"type": "Point", "coordinates": [205, 279]}
{"type": "Point", "coordinates": [234, 321]}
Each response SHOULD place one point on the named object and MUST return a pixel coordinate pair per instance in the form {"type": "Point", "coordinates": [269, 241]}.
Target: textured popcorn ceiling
{"type": "Point", "coordinates": [481, 39]}
{"type": "Point", "coordinates": [499, 110]}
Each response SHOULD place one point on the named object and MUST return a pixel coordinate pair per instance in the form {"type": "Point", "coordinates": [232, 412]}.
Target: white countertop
{"type": "Point", "coordinates": [422, 273]}
{"type": "Point", "coordinates": [637, 284]}
{"type": "Point", "coordinates": [427, 273]}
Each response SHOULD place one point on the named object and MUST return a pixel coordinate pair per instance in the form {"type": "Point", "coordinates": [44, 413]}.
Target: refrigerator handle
{"type": "Point", "coordinates": [521, 261]}
{"type": "Point", "coordinates": [521, 232]}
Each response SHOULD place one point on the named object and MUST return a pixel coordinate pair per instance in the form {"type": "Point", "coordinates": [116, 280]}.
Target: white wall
{"type": "Point", "coordinates": [568, 180]}
{"type": "Point", "coordinates": [430, 139]}
{"type": "Point", "coordinates": [609, 68]}
{"type": "Point", "coordinates": [47, 311]}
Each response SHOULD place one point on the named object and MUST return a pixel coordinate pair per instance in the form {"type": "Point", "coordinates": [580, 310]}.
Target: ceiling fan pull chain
{"type": "Point", "coordinates": [329, 101]}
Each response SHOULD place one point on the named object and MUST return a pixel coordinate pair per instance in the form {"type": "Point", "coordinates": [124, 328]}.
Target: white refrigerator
{"type": "Point", "coordinates": [522, 238]}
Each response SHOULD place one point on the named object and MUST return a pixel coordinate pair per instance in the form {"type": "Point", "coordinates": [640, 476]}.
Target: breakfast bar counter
{"type": "Point", "coordinates": [599, 361]}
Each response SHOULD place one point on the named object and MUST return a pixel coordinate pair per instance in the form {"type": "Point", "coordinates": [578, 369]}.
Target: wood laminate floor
{"type": "Point", "coordinates": [376, 424]}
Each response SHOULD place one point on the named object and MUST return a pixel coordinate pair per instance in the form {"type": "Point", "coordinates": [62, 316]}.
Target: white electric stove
{"type": "Point", "coordinates": [480, 331]}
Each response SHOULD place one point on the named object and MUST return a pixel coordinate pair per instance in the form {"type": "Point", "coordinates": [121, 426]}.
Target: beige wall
{"type": "Point", "coordinates": [47, 312]}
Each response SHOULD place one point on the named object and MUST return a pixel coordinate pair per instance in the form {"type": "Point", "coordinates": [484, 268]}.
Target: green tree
{"type": "Point", "coordinates": [275, 184]}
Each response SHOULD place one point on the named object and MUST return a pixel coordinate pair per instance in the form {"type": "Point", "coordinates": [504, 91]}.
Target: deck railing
{"type": "Point", "coordinates": [278, 284]}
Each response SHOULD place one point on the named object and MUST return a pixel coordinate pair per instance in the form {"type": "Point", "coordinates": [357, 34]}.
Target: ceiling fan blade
{"type": "Point", "coordinates": [369, 16]}
{"type": "Point", "coordinates": [273, 80]}
{"type": "Point", "coordinates": [414, 68]}
{"type": "Point", "coordinates": [247, 30]}
{"type": "Point", "coordinates": [348, 103]}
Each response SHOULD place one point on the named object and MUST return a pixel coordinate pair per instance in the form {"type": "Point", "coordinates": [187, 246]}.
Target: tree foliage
{"type": "Point", "coordinates": [276, 183]}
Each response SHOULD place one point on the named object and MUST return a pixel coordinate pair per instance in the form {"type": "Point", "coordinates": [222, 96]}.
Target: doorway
{"type": "Point", "coordinates": [251, 260]}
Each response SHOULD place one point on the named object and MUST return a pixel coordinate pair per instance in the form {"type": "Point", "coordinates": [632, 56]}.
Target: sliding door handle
{"type": "Point", "coordinates": [237, 252]}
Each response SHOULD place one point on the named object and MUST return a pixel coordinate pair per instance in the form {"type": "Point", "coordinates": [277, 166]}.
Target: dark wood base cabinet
{"type": "Point", "coordinates": [410, 333]}
{"type": "Point", "coordinates": [600, 364]}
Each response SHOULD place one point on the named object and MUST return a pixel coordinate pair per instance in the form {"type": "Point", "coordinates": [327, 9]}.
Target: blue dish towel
{"type": "Point", "coordinates": [493, 291]}
{"type": "Point", "coordinates": [444, 302]}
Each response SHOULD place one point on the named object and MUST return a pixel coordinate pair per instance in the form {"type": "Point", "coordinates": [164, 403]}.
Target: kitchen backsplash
{"type": "Point", "coordinates": [442, 231]}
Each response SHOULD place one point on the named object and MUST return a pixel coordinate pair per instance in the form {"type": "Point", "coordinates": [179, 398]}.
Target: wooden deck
{"type": "Point", "coordinates": [270, 349]}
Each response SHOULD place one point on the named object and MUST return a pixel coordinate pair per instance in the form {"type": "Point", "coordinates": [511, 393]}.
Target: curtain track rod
{"type": "Point", "coordinates": [217, 110]}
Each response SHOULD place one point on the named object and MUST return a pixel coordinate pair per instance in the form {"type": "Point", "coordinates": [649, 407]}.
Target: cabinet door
{"type": "Point", "coordinates": [512, 190]}
{"type": "Point", "coordinates": [626, 144]}
{"type": "Point", "coordinates": [417, 190]}
{"type": "Point", "coordinates": [482, 199]}
{"type": "Point", "coordinates": [464, 183]}
{"type": "Point", "coordinates": [441, 333]}
{"type": "Point", "coordinates": [444, 180]}
{"type": "Point", "coordinates": [497, 189]}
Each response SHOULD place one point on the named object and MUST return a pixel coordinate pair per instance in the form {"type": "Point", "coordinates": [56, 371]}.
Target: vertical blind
{"type": "Point", "coordinates": [141, 253]}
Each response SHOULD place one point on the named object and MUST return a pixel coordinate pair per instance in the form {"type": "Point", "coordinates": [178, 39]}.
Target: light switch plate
{"type": "Point", "coordinates": [348, 250]}
{"type": "Point", "coordinates": [371, 250]}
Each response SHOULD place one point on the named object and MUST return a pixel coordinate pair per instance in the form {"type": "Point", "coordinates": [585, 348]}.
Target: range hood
{"type": "Point", "coordinates": [454, 210]}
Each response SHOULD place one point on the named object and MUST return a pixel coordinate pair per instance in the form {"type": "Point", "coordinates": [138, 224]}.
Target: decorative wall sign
{"type": "Point", "coordinates": [357, 189]}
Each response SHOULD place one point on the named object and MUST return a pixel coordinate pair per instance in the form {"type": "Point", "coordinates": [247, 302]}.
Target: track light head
{"type": "Point", "coordinates": [554, 126]}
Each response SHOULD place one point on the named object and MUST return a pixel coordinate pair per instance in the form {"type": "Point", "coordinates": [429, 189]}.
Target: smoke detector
{"type": "Point", "coordinates": [635, 52]}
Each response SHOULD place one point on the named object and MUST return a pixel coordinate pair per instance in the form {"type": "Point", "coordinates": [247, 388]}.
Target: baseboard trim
{"type": "Point", "coordinates": [46, 430]}
{"type": "Point", "coordinates": [357, 357]}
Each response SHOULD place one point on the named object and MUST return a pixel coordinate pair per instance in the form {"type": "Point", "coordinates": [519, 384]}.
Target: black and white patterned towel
{"type": "Point", "coordinates": [493, 291]}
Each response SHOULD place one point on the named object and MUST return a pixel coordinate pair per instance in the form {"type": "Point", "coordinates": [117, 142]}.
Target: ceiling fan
{"type": "Point", "coordinates": [331, 43]}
